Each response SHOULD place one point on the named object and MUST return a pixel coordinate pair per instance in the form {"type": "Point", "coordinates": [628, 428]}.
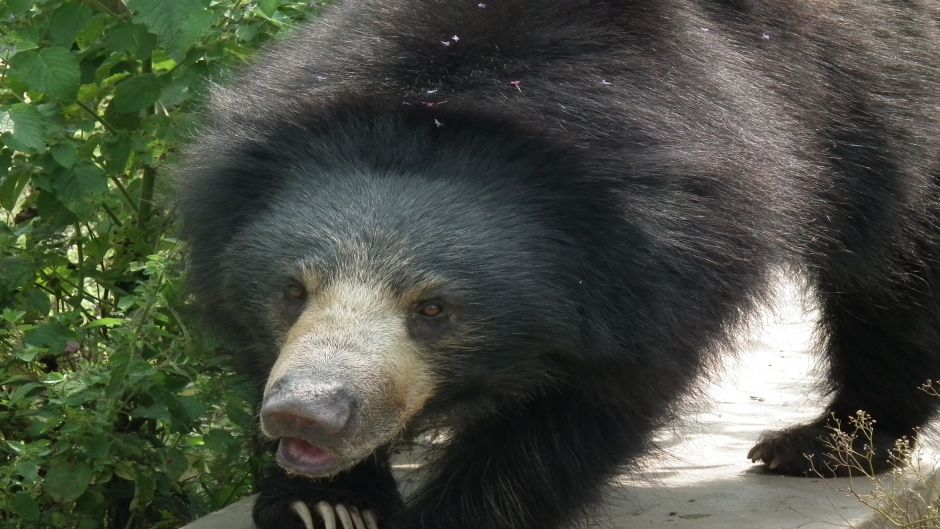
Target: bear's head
{"type": "Point", "coordinates": [393, 278]}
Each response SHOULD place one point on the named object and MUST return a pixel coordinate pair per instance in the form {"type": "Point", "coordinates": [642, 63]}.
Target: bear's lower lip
{"type": "Point", "coordinates": [300, 456]}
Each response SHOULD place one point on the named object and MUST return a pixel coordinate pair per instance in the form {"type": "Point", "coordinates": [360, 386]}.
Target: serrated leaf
{"type": "Point", "coordinates": [53, 211]}
{"type": "Point", "coordinates": [133, 39]}
{"type": "Point", "coordinates": [93, 30]}
{"type": "Point", "coordinates": [23, 391]}
{"type": "Point", "coordinates": [105, 322]}
{"type": "Point", "coordinates": [268, 7]}
{"type": "Point", "coordinates": [97, 446]}
{"type": "Point", "coordinates": [85, 180]}
{"type": "Point", "coordinates": [218, 440]}
{"type": "Point", "coordinates": [66, 23]}
{"type": "Point", "coordinates": [15, 7]}
{"type": "Point", "coordinates": [19, 42]}
{"type": "Point", "coordinates": [144, 488]}
{"type": "Point", "coordinates": [52, 71]}
{"type": "Point", "coordinates": [25, 507]}
{"type": "Point", "coordinates": [116, 151]}
{"type": "Point", "coordinates": [175, 462]}
{"type": "Point", "coordinates": [174, 94]}
{"type": "Point", "coordinates": [52, 335]}
{"type": "Point", "coordinates": [11, 185]}
{"type": "Point", "coordinates": [154, 411]}
{"type": "Point", "coordinates": [178, 24]}
{"type": "Point", "coordinates": [81, 188]}
{"type": "Point", "coordinates": [35, 300]}
{"type": "Point", "coordinates": [64, 154]}
{"type": "Point", "coordinates": [135, 94]}
{"type": "Point", "coordinates": [27, 355]}
{"type": "Point", "coordinates": [10, 189]}
{"type": "Point", "coordinates": [15, 272]}
{"type": "Point", "coordinates": [6, 122]}
{"type": "Point", "coordinates": [67, 480]}
{"type": "Point", "coordinates": [28, 128]}
{"type": "Point", "coordinates": [125, 470]}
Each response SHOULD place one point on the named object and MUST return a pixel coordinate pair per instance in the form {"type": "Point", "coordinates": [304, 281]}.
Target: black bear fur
{"type": "Point", "coordinates": [613, 183]}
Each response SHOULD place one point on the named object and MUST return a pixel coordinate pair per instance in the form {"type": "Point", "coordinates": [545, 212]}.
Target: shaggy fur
{"type": "Point", "coordinates": [603, 188]}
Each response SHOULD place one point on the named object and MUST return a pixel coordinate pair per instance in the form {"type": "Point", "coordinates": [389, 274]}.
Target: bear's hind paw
{"type": "Point", "coordinates": [349, 517]}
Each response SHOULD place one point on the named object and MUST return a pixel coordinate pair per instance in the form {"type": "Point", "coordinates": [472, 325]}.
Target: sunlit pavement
{"type": "Point", "coordinates": [701, 477]}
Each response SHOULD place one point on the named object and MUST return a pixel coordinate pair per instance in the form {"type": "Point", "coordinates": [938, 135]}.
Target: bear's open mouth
{"type": "Point", "coordinates": [305, 458]}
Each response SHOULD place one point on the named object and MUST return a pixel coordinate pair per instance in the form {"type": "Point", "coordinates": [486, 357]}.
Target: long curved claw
{"type": "Point", "coordinates": [303, 512]}
{"type": "Point", "coordinates": [756, 453]}
{"type": "Point", "coordinates": [349, 517]}
{"type": "Point", "coordinates": [327, 514]}
{"type": "Point", "coordinates": [371, 521]}
{"type": "Point", "coordinates": [357, 518]}
{"type": "Point", "coordinates": [344, 518]}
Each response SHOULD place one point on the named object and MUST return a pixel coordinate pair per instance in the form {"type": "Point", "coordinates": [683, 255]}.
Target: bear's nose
{"type": "Point", "coordinates": [316, 412]}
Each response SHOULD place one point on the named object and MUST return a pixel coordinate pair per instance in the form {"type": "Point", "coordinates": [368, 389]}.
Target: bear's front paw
{"type": "Point", "coordinates": [808, 449]}
{"type": "Point", "coordinates": [298, 514]}
{"type": "Point", "coordinates": [326, 515]}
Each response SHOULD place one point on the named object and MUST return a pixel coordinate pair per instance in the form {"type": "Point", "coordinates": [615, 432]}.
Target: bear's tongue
{"type": "Point", "coordinates": [304, 456]}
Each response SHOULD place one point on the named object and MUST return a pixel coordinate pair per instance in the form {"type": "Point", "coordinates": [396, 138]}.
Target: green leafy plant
{"type": "Point", "coordinates": [113, 412]}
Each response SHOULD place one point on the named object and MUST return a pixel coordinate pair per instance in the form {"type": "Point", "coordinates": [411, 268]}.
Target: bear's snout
{"type": "Point", "coordinates": [318, 413]}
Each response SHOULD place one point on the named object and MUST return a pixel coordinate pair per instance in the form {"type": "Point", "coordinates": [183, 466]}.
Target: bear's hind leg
{"type": "Point", "coordinates": [883, 343]}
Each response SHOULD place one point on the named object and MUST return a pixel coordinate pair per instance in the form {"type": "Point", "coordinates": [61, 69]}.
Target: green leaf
{"type": "Point", "coordinates": [157, 410]}
{"type": "Point", "coordinates": [116, 152]}
{"type": "Point", "coordinates": [66, 23]}
{"type": "Point", "coordinates": [174, 94]}
{"type": "Point", "coordinates": [21, 41]}
{"type": "Point", "coordinates": [64, 153]}
{"type": "Point", "coordinates": [135, 93]}
{"type": "Point", "coordinates": [28, 468]}
{"type": "Point", "coordinates": [25, 507]}
{"type": "Point", "coordinates": [10, 189]}
{"type": "Point", "coordinates": [105, 322]}
{"type": "Point", "coordinates": [268, 6]}
{"type": "Point", "coordinates": [53, 211]}
{"type": "Point", "coordinates": [67, 480]}
{"type": "Point", "coordinates": [133, 39]}
{"type": "Point", "coordinates": [93, 30]}
{"type": "Point", "coordinates": [28, 128]}
{"type": "Point", "coordinates": [14, 7]}
{"type": "Point", "coordinates": [144, 488]}
{"type": "Point", "coordinates": [6, 122]}
{"type": "Point", "coordinates": [218, 440]}
{"type": "Point", "coordinates": [178, 24]}
{"type": "Point", "coordinates": [35, 300]}
{"type": "Point", "coordinates": [11, 185]}
{"type": "Point", "coordinates": [81, 189]}
{"type": "Point", "coordinates": [52, 71]}
{"type": "Point", "coordinates": [12, 317]}
{"type": "Point", "coordinates": [23, 391]}
{"type": "Point", "coordinates": [27, 355]}
{"type": "Point", "coordinates": [15, 272]}
{"type": "Point", "coordinates": [175, 462]}
{"type": "Point", "coordinates": [125, 470]}
{"type": "Point", "coordinates": [52, 335]}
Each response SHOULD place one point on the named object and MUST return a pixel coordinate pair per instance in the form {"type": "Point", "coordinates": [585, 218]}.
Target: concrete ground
{"type": "Point", "coordinates": [700, 477]}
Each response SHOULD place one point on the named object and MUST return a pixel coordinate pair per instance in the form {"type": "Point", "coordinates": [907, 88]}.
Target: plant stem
{"type": "Point", "coordinates": [145, 205]}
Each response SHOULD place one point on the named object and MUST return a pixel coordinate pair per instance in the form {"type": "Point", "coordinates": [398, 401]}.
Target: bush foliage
{"type": "Point", "coordinates": [113, 411]}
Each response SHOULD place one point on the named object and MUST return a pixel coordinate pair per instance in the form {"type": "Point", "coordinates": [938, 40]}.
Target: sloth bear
{"type": "Point", "coordinates": [530, 224]}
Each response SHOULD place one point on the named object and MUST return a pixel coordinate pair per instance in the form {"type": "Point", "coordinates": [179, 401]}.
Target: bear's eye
{"type": "Point", "coordinates": [295, 291]}
{"type": "Point", "coordinates": [431, 309]}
